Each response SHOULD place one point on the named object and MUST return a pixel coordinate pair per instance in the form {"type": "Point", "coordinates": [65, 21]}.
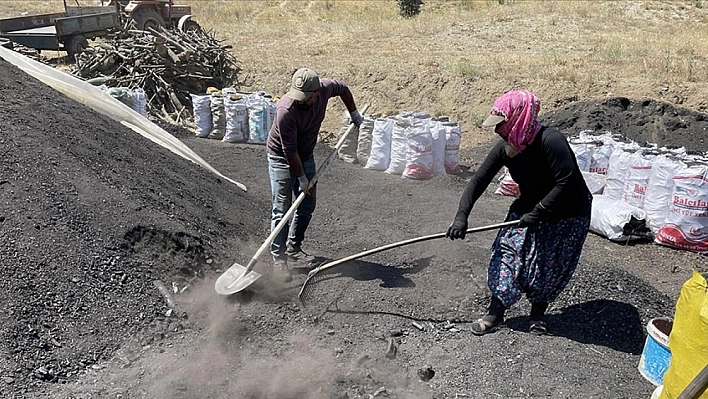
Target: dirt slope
{"type": "Point", "coordinates": [92, 214]}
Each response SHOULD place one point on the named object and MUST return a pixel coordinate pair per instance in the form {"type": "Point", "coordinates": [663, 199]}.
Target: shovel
{"type": "Point", "coordinates": [237, 278]}
{"type": "Point", "coordinates": [314, 275]}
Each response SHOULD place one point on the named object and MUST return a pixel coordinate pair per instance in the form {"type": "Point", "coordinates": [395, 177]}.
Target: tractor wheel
{"type": "Point", "coordinates": [74, 45]}
{"type": "Point", "coordinates": [147, 18]}
{"type": "Point", "coordinates": [191, 26]}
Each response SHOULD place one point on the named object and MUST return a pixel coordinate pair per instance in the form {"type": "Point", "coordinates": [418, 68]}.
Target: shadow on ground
{"type": "Point", "coordinates": [391, 276]}
{"type": "Point", "coordinates": [615, 325]}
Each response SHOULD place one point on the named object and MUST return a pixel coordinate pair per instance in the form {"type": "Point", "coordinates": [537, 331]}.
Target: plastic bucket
{"type": "Point", "coordinates": [656, 356]}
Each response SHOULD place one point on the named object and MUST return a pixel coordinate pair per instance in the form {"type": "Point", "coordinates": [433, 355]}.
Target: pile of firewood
{"type": "Point", "coordinates": [168, 65]}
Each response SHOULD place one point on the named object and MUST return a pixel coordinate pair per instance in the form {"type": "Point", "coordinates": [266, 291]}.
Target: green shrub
{"type": "Point", "coordinates": [409, 8]}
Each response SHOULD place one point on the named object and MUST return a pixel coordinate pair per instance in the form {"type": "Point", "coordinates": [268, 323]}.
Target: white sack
{"type": "Point", "coordinates": [260, 110]}
{"type": "Point", "coordinates": [453, 138]}
{"type": "Point", "coordinates": [595, 182]}
{"type": "Point", "coordinates": [139, 101]}
{"type": "Point", "coordinates": [347, 151]}
{"type": "Point", "coordinates": [658, 197]}
{"type": "Point", "coordinates": [218, 116]}
{"type": "Point", "coordinates": [437, 131]}
{"type": "Point", "coordinates": [507, 185]}
{"type": "Point", "coordinates": [583, 154]}
{"type": "Point", "coordinates": [600, 161]}
{"type": "Point", "coordinates": [363, 147]}
{"type": "Point", "coordinates": [399, 145]}
{"type": "Point", "coordinates": [201, 109]}
{"type": "Point", "coordinates": [637, 179]}
{"type": "Point", "coordinates": [686, 224]}
{"type": "Point", "coordinates": [380, 155]}
{"type": "Point", "coordinates": [617, 220]}
{"type": "Point", "coordinates": [236, 112]}
{"type": "Point", "coordinates": [617, 173]}
{"type": "Point", "coordinates": [419, 153]}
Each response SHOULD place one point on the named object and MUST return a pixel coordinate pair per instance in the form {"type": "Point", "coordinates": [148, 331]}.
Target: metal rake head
{"type": "Point", "coordinates": [308, 287]}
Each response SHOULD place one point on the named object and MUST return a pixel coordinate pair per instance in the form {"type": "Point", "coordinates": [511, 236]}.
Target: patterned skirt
{"type": "Point", "coordinates": [538, 260]}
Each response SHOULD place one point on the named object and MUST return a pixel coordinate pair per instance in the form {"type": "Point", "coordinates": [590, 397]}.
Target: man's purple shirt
{"type": "Point", "coordinates": [296, 127]}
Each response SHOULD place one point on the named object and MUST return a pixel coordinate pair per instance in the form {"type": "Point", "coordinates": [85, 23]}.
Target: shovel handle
{"type": "Point", "coordinates": [298, 201]}
{"type": "Point", "coordinates": [406, 242]}
{"type": "Point", "coordinates": [331, 155]}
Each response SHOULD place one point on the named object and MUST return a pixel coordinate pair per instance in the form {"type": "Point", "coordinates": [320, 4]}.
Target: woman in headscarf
{"type": "Point", "coordinates": [538, 256]}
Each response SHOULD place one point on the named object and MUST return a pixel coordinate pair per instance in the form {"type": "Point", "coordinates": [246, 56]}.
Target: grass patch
{"type": "Point", "coordinates": [469, 72]}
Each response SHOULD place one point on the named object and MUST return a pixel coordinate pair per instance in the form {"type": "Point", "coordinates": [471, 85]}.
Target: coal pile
{"type": "Point", "coordinates": [643, 120]}
{"type": "Point", "coordinates": [92, 214]}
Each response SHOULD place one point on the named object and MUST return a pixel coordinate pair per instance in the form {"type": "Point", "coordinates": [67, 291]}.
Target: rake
{"type": "Point", "coordinates": [316, 275]}
{"type": "Point", "coordinates": [237, 278]}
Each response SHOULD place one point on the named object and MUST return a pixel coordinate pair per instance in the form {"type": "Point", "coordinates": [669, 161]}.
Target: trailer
{"type": "Point", "coordinates": [68, 31]}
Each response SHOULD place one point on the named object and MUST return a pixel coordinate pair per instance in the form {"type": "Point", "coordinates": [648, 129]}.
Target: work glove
{"type": "Point", "coordinates": [304, 185]}
{"type": "Point", "coordinates": [527, 219]}
{"type": "Point", "coordinates": [356, 117]}
{"type": "Point", "coordinates": [458, 228]}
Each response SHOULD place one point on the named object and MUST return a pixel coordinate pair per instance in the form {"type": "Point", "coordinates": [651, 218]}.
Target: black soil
{"type": "Point", "coordinates": [642, 120]}
{"type": "Point", "coordinates": [93, 215]}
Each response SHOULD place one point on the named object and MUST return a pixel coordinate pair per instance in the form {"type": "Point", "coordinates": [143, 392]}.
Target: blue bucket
{"type": "Point", "coordinates": [656, 356]}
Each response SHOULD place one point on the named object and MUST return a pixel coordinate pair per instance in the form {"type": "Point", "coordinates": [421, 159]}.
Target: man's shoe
{"type": "Point", "coordinates": [280, 270]}
{"type": "Point", "coordinates": [299, 256]}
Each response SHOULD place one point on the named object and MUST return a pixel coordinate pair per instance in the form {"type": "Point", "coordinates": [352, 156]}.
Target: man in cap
{"type": "Point", "coordinates": [291, 163]}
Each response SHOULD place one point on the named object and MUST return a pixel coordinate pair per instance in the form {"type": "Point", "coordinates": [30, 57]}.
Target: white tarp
{"type": "Point", "coordinates": [93, 97]}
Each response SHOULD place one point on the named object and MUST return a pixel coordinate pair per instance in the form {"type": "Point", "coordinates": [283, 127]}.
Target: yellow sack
{"type": "Point", "coordinates": [688, 340]}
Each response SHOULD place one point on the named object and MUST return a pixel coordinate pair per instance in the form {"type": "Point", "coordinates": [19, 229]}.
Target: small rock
{"type": "Point", "coordinates": [8, 380]}
{"type": "Point", "coordinates": [392, 349]}
{"type": "Point", "coordinates": [361, 360]}
{"type": "Point", "coordinates": [448, 325]}
{"type": "Point", "coordinates": [426, 373]}
{"type": "Point", "coordinates": [378, 392]}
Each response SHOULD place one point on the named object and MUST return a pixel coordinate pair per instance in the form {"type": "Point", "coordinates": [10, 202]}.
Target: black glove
{"type": "Point", "coordinates": [527, 219]}
{"type": "Point", "coordinates": [356, 117]}
{"type": "Point", "coordinates": [458, 228]}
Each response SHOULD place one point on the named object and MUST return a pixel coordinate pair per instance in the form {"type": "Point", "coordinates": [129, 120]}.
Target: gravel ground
{"type": "Point", "coordinates": [93, 215]}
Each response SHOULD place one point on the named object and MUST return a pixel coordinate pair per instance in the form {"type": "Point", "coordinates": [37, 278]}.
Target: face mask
{"type": "Point", "coordinates": [511, 151]}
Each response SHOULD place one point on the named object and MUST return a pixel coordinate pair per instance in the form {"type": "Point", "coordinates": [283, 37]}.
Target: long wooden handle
{"type": "Point", "coordinates": [289, 214]}
{"type": "Point", "coordinates": [405, 242]}
{"type": "Point", "coordinates": [696, 387]}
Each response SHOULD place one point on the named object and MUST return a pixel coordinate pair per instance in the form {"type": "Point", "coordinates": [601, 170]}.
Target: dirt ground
{"type": "Point", "coordinates": [93, 215]}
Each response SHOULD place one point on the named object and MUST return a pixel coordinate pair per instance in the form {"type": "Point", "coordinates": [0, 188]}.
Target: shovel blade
{"type": "Point", "coordinates": [234, 280]}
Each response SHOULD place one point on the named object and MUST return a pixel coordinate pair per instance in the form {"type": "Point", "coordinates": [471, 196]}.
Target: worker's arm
{"type": "Point", "coordinates": [295, 164]}
{"type": "Point", "coordinates": [341, 90]}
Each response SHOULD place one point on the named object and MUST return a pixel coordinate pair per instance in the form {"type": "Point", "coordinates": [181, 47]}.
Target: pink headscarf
{"type": "Point", "coordinates": [520, 108]}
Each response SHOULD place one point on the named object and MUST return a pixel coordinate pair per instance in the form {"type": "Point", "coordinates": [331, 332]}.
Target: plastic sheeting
{"type": "Point", "coordinates": [94, 98]}
{"type": "Point", "coordinates": [687, 342]}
